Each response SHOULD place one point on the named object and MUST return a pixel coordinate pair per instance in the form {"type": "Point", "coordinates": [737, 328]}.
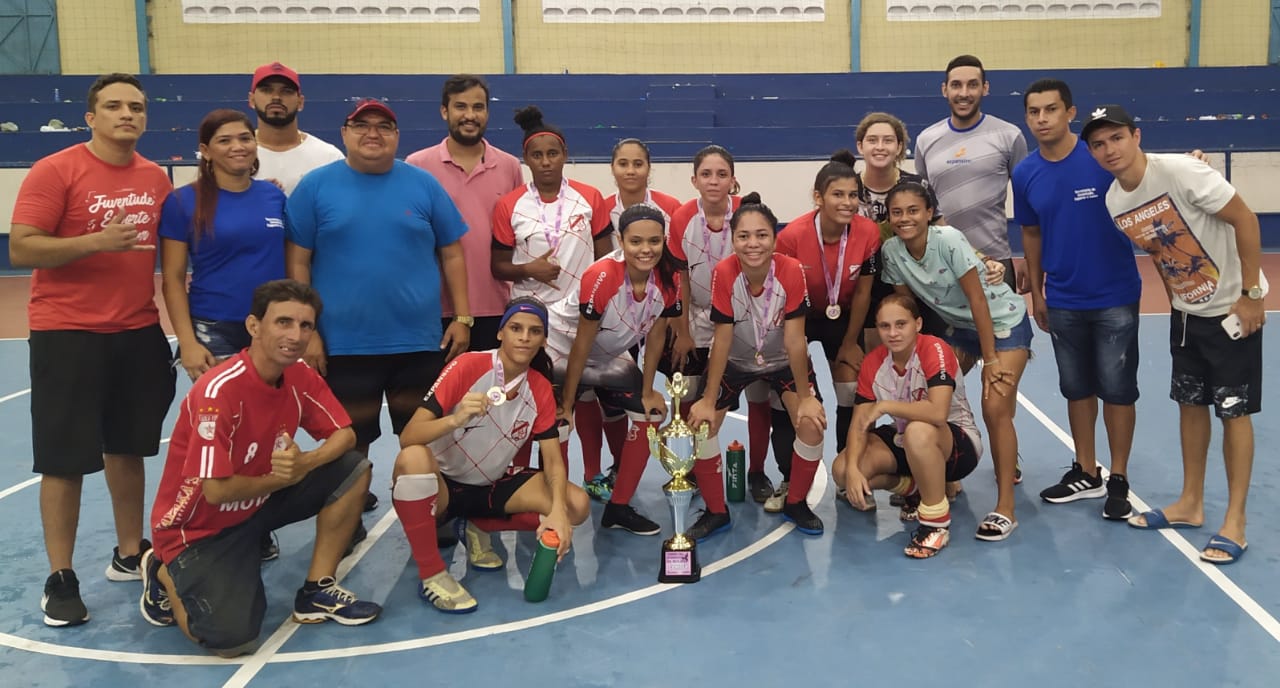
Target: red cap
{"type": "Point", "coordinates": [371, 105]}
{"type": "Point", "coordinates": [267, 71]}
{"type": "Point", "coordinates": [550, 539]}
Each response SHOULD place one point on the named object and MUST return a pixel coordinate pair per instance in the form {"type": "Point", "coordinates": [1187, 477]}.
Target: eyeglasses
{"type": "Point", "coordinates": [362, 128]}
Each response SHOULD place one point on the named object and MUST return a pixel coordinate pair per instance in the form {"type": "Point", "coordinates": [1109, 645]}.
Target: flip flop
{"type": "Point", "coordinates": [1155, 520]}
{"type": "Point", "coordinates": [995, 527]}
{"type": "Point", "coordinates": [1221, 542]}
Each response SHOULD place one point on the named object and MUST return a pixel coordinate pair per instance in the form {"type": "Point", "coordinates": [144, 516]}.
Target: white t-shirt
{"type": "Point", "coordinates": [1171, 215]}
{"type": "Point", "coordinates": [289, 167]}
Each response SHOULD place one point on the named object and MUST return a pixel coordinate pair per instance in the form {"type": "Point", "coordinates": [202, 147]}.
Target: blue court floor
{"type": "Point", "coordinates": [1068, 600]}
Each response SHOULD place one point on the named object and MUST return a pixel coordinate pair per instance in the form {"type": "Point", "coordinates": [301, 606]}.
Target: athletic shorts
{"type": "Point", "coordinates": [485, 501]}
{"type": "Point", "coordinates": [361, 382]}
{"type": "Point", "coordinates": [617, 384]}
{"type": "Point", "coordinates": [1212, 369]}
{"type": "Point", "coordinates": [484, 334]}
{"type": "Point", "coordinates": [219, 578]}
{"type": "Point", "coordinates": [735, 380]}
{"type": "Point", "coordinates": [94, 393]}
{"type": "Point", "coordinates": [961, 462]}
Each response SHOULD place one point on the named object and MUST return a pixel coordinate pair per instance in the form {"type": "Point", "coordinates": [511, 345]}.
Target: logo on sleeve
{"type": "Point", "coordinates": [207, 423]}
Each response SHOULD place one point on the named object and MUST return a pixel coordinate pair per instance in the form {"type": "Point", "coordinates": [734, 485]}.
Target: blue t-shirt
{"type": "Point", "coordinates": [374, 239]}
{"type": "Point", "coordinates": [244, 248]}
{"type": "Point", "coordinates": [1087, 262]}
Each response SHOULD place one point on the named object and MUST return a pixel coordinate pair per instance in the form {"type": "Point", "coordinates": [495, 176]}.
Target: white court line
{"type": "Point", "coordinates": [1211, 571]}
{"type": "Point", "coordinates": [15, 395]}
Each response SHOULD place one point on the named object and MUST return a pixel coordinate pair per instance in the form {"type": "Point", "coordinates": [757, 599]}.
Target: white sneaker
{"type": "Point", "coordinates": [778, 500]}
{"type": "Point", "coordinates": [480, 554]}
{"type": "Point", "coordinates": [447, 594]}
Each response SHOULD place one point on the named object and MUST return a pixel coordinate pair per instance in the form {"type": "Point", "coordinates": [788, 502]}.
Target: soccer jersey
{"type": "Point", "coordinates": [74, 193]}
{"type": "Point", "coordinates": [823, 265]}
{"type": "Point", "coordinates": [932, 364]}
{"type": "Point", "coordinates": [874, 205]}
{"type": "Point", "coordinates": [699, 247]}
{"type": "Point", "coordinates": [969, 170]}
{"type": "Point", "coordinates": [606, 295]}
{"type": "Point", "coordinates": [758, 319]}
{"type": "Point", "coordinates": [667, 204]}
{"type": "Point", "coordinates": [568, 227]}
{"type": "Point", "coordinates": [935, 279]}
{"type": "Point", "coordinates": [228, 424]}
{"type": "Point", "coordinates": [1172, 216]}
{"type": "Point", "coordinates": [480, 452]}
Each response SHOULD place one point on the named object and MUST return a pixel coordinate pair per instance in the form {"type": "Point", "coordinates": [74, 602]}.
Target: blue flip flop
{"type": "Point", "coordinates": [1155, 519]}
{"type": "Point", "coordinates": [1233, 549]}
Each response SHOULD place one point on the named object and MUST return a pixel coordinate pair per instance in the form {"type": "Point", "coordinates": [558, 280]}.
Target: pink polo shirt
{"type": "Point", "coordinates": [475, 195]}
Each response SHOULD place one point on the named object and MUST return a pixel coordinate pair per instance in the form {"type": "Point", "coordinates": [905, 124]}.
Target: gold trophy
{"type": "Point", "coordinates": [676, 448]}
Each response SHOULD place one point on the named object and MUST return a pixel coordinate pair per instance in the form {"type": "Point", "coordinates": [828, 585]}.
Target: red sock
{"type": "Point", "coordinates": [711, 483]}
{"type": "Point", "coordinates": [758, 417]}
{"type": "Point", "coordinates": [615, 433]}
{"type": "Point", "coordinates": [525, 520]}
{"type": "Point", "coordinates": [419, 521]}
{"type": "Point", "coordinates": [802, 472]}
{"type": "Point", "coordinates": [635, 456]}
{"type": "Point", "coordinates": [587, 419]}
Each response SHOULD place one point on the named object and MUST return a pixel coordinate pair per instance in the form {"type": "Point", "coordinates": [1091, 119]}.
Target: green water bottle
{"type": "Point", "coordinates": [735, 474]}
{"type": "Point", "coordinates": [538, 584]}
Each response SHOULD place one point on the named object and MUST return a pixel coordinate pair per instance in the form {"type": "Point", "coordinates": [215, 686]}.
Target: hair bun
{"type": "Point", "coordinates": [752, 198]}
{"type": "Point", "coordinates": [845, 156]}
{"type": "Point", "coordinates": [529, 117]}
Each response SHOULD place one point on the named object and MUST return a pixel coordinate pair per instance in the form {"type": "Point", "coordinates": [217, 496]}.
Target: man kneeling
{"type": "Point", "coordinates": [233, 473]}
{"type": "Point", "coordinates": [483, 409]}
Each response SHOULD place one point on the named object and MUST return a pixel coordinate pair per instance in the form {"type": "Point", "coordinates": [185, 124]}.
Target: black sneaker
{"type": "Point", "coordinates": [356, 538]}
{"type": "Point", "coordinates": [154, 604]}
{"type": "Point", "coordinates": [268, 550]}
{"type": "Point", "coordinates": [123, 569]}
{"type": "Point", "coordinates": [61, 602]}
{"type": "Point", "coordinates": [800, 514]}
{"type": "Point", "coordinates": [1075, 484]}
{"type": "Point", "coordinates": [708, 524]}
{"type": "Point", "coordinates": [1117, 507]}
{"type": "Point", "coordinates": [760, 487]}
{"type": "Point", "coordinates": [370, 502]}
{"type": "Point", "coordinates": [627, 518]}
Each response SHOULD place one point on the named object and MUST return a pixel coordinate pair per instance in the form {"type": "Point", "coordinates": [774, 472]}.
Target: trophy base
{"type": "Point", "coordinates": [679, 565]}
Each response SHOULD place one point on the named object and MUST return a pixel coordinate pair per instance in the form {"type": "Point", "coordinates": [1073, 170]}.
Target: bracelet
{"type": "Point", "coordinates": [994, 361]}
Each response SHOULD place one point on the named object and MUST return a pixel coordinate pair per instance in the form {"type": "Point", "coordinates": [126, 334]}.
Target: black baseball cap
{"type": "Point", "coordinates": [1106, 114]}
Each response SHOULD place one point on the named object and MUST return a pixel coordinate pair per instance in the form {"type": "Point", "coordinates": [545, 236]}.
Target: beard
{"type": "Point", "coordinates": [455, 133]}
{"type": "Point", "coordinates": [276, 120]}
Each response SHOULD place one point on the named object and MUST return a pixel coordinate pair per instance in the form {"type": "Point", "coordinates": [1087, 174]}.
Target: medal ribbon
{"type": "Point", "coordinates": [553, 236]}
{"type": "Point", "coordinates": [833, 282]}
{"type": "Point", "coordinates": [760, 324]}
{"type": "Point", "coordinates": [500, 374]}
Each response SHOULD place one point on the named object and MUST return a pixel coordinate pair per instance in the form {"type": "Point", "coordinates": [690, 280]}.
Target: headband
{"type": "Point", "coordinates": [536, 134]}
{"type": "Point", "coordinates": [524, 307]}
{"type": "Point", "coordinates": [641, 211]}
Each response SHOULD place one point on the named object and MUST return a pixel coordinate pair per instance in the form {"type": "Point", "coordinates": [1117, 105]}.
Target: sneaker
{"type": "Point", "coordinates": [760, 487]}
{"type": "Point", "coordinates": [909, 511]}
{"type": "Point", "coordinates": [1117, 506]}
{"type": "Point", "coordinates": [447, 595]}
{"type": "Point", "coordinates": [61, 602]}
{"type": "Point", "coordinates": [800, 514]}
{"type": "Point", "coordinates": [708, 524]}
{"type": "Point", "coordinates": [155, 605]}
{"type": "Point", "coordinates": [370, 502]}
{"type": "Point", "coordinates": [1075, 484]}
{"type": "Point", "coordinates": [927, 541]}
{"type": "Point", "coordinates": [268, 550]}
{"type": "Point", "coordinates": [356, 538]}
{"type": "Point", "coordinates": [896, 500]}
{"type": "Point", "coordinates": [124, 569]}
{"type": "Point", "coordinates": [480, 554]}
{"type": "Point", "coordinates": [624, 516]}
{"type": "Point", "coordinates": [330, 601]}
{"type": "Point", "coordinates": [1017, 471]}
{"type": "Point", "coordinates": [598, 488]}
{"type": "Point", "coordinates": [778, 499]}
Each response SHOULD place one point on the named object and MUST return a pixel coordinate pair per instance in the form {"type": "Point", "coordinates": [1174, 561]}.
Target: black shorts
{"type": "Point", "coordinates": [963, 459]}
{"type": "Point", "coordinates": [219, 578]}
{"type": "Point", "coordinates": [484, 334]}
{"type": "Point", "coordinates": [830, 333]}
{"type": "Point", "coordinates": [931, 323]}
{"type": "Point", "coordinates": [735, 380]}
{"type": "Point", "coordinates": [1212, 369]}
{"type": "Point", "coordinates": [485, 501]}
{"type": "Point", "coordinates": [94, 393]}
{"type": "Point", "coordinates": [360, 383]}
{"type": "Point", "coordinates": [695, 364]}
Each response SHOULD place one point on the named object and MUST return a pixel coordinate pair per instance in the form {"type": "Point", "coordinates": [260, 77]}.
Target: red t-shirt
{"type": "Point", "coordinates": [799, 239]}
{"type": "Point", "coordinates": [228, 425]}
{"type": "Point", "coordinates": [72, 193]}
{"type": "Point", "coordinates": [757, 319]}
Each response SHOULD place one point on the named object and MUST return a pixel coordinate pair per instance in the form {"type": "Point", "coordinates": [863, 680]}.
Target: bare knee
{"type": "Point", "coordinates": [414, 459]}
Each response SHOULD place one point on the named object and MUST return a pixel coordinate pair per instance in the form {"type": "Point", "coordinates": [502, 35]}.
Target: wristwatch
{"type": "Point", "coordinates": [1254, 292]}
{"type": "Point", "coordinates": [465, 320]}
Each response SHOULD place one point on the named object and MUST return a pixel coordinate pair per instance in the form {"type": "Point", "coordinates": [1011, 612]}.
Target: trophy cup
{"type": "Point", "coordinates": [676, 448]}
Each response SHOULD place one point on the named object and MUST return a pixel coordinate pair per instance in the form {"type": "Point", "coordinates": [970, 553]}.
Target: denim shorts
{"type": "Point", "coordinates": [966, 341]}
{"type": "Point", "coordinates": [1097, 353]}
{"type": "Point", "coordinates": [222, 338]}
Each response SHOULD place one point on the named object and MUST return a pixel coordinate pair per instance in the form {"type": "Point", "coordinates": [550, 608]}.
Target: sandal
{"type": "Point", "coordinates": [843, 496]}
{"type": "Point", "coordinates": [995, 527]}
{"type": "Point", "coordinates": [927, 541]}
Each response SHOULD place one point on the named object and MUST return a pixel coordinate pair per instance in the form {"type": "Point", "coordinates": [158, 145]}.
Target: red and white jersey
{"type": "Point", "coordinates": [481, 452]}
{"type": "Point", "coordinates": [228, 424]}
{"type": "Point", "coordinates": [821, 260]}
{"type": "Point", "coordinates": [525, 224]}
{"type": "Point", "coordinates": [758, 318]}
{"type": "Point", "coordinates": [606, 295]}
{"type": "Point", "coordinates": [690, 240]}
{"type": "Point", "coordinates": [932, 363]}
{"type": "Point", "coordinates": [667, 204]}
